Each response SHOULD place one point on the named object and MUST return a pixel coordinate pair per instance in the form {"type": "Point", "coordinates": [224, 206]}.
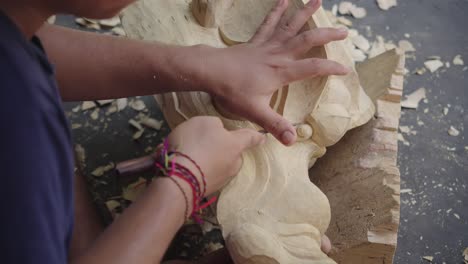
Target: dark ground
{"type": "Point", "coordinates": [434, 167]}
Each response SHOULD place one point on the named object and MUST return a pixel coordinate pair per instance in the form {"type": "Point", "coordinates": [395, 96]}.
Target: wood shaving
{"type": "Point", "coordinates": [386, 4]}
{"type": "Point", "coordinates": [152, 123]}
{"type": "Point", "coordinates": [361, 43]}
{"type": "Point", "coordinates": [457, 60]}
{"type": "Point", "coordinates": [457, 216]}
{"type": "Point", "coordinates": [412, 100]}
{"type": "Point", "coordinates": [406, 46]}
{"type": "Point", "coordinates": [138, 134]}
{"type": "Point", "coordinates": [405, 190]}
{"type": "Point", "coordinates": [99, 171]}
{"type": "Point", "coordinates": [405, 129]}
{"type": "Point", "coordinates": [138, 105]}
{"type": "Point", "coordinates": [428, 258]}
{"type": "Point", "coordinates": [132, 191]}
{"type": "Point", "coordinates": [110, 22]}
{"type": "Point", "coordinates": [135, 124]}
{"type": "Point", "coordinates": [407, 35]}
{"type": "Point", "coordinates": [88, 105]}
{"type": "Point", "coordinates": [119, 31]}
{"type": "Point", "coordinates": [352, 33]}
{"type": "Point", "coordinates": [95, 114]}
{"type": "Point", "coordinates": [122, 104]}
{"type": "Point", "coordinates": [81, 22]}
{"type": "Point", "coordinates": [212, 247]}
{"type": "Point", "coordinates": [453, 131]}
{"type": "Point", "coordinates": [433, 65]}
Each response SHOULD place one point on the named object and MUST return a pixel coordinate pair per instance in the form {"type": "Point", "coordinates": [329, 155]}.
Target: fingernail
{"type": "Point", "coordinates": [343, 30]}
{"type": "Point", "coordinates": [287, 137]}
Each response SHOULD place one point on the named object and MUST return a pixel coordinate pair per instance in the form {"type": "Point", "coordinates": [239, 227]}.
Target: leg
{"type": "Point", "coordinates": [87, 223]}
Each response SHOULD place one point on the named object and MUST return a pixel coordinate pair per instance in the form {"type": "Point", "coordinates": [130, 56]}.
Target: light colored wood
{"type": "Point", "coordinates": [271, 212]}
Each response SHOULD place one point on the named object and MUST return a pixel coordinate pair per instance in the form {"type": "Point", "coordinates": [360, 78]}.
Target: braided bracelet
{"type": "Point", "coordinates": [186, 214]}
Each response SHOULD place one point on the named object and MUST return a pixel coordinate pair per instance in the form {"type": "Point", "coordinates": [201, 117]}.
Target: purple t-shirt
{"type": "Point", "coordinates": [36, 163]}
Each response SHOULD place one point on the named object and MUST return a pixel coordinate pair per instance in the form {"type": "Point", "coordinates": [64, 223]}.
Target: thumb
{"type": "Point", "coordinates": [276, 124]}
{"type": "Point", "coordinates": [248, 138]}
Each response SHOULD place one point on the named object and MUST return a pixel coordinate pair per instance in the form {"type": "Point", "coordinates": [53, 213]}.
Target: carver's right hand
{"type": "Point", "coordinates": [216, 150]}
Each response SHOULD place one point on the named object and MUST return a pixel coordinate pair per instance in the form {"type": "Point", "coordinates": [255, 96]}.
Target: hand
{"type": "Point", "coordinates": [243, 78]}
{"type": "Point", "coordinates": [216, 150]}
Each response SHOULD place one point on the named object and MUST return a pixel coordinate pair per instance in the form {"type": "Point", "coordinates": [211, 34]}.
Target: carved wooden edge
{"type": "Point", "coordinates": [360, 176]}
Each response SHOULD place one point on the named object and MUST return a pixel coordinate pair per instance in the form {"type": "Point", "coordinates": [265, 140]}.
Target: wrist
{"type": "Point", "coordinates": [181, 201]}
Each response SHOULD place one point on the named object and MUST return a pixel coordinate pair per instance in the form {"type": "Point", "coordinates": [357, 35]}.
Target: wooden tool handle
{"type": "Point", "coordinates": [135, 166]}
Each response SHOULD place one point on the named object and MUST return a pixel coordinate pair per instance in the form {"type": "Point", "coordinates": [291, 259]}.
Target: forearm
{"type": "Point", "coordinates": [94, 66]}
{"type": "Point", "coordinates": [143, 232]}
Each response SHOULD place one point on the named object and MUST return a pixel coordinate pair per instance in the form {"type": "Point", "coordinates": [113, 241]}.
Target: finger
{"type": "Point", "coordinates": [312, 67]}
{"type": "Point", "coordinates": [290, 27]}
{"type": "Point", "coordinates": [248, 138]}
{"type": "Point", "coordinates": [316, 37]}
{"type": "Point", "coordinates": [326, 245]}
{"type": "Point", "coordinates": [276, 124]}
{"type": "Point", "coordinates": [270, 22]}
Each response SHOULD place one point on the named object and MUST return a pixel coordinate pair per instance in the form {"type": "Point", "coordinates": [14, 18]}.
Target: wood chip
{"type": "Point", "coordinates": [446, 110]}
{"type": "Point", "coordinates": [405, 129]}
{"type": "Point", "coordinates": [138, 105]}
{"type": "Point", "coordinates": [86, 105]}
{"type": "Point", "coordinates": [122, 104]}
{"type": "Point", "coordinates": [95, 114]}
{"type": "Point", "coordinates": [112, 205]}
{"type": "Point", "coordinates": [358, 55]}
{"type": "Point", "coordinates": [135, 124]}
{"type": "Point", "coordinates": [386, 4]}
{"type": "Point", "coordinates": [361, 43]}
{"type": "Point", "coordinates": [75, 126]}
{"type": "Point", "coordinates": [453, 131]}
{"type": "Point", "coordinates": [76, 109]}
{"type": "Point", "coordinates": [405, 190]}
{"type": "Point", "coordinates": [81, 22]}
{"type": "Point", "coordinates": [420, 71]}
{"type": "Point", "coordinates": [344, 21]}
{"type": "Point", "coordinates": [428, 258]}
{"type": "Point", "coordinates": [110, 22]}
{"type": "Point", "coordinates": [104, 102]}
{"type": "Point", "coordinates": [138, 134]}
{"type": "Point", "coordinates": [412, 100]}
{"type": "Point", "coordinates": [80, 154]}
{"type": "Point", "coordinates": [406, 46]}
{"type": "Point", "coordinates": [334, 9]}
{"type": "Point", "coordinates": [119, 31]}
{"type": "Point", "coordinates": [152, 123]}
{"type": "Point", "coordinates": [433, 65]}
{"type": "Point", "coordinates": [112, 109]}
{"type": "Point", "coordinates": [458, 60]}
{"type": "Point", "coordinates": [98, 172]}
{"type": "Point", "coordinates": [465, 255]}
{"type": "Point", "coordinates": [358, 12]}
{"type": "Point", "coordinates": [345, 7]}
{"type": "Point", "coordinates": [132, 191]}
{"type": "Point", "coordinates": [51, 20]}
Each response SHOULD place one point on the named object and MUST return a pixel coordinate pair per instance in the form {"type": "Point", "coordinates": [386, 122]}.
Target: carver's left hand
{"type": "Point", "coordinates": [244, 77]}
